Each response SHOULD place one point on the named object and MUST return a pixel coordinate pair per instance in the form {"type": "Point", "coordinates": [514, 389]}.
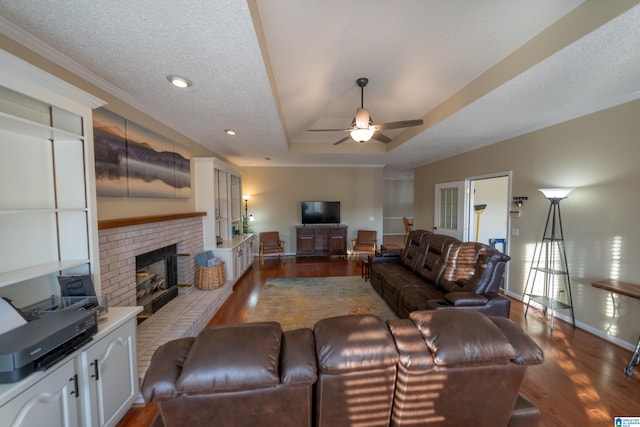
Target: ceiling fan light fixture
{"type": "Point", "coordinates": [362, 118]}
{"type": "Point", "coordinates": [362, 134]}
{"type": "Point", "coordinates": [362, 128]}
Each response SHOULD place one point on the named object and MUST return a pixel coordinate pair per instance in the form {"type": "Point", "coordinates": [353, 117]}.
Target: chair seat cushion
{"type": "Point", "coordinates": [272, 249]}
{"type": "Point", "coordinates": [363, 247]}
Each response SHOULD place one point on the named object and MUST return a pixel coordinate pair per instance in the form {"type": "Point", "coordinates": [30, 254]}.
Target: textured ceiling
{"type": "Point", "coordinates": [476, 72]}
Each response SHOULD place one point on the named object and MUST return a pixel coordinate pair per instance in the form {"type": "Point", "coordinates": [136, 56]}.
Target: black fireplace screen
{"type": "Point", "coordinates": [156, 279]}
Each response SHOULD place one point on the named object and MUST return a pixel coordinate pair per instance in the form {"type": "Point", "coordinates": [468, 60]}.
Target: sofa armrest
{"type": "Point", "coordinates": [465, 299]}
{"type": "Point", "coordinates": [298, 358]}
{"type": "Point", "coordinates": [528, 352]}
{"type": "Point", "coordinates": [165, 368]}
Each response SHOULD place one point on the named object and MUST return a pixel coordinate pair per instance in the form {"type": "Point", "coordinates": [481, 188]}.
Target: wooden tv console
{"type": "Point", "coordinates": [321, 240]}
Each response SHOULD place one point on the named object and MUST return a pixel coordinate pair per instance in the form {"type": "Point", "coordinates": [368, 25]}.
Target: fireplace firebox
{"type": "Point", "coordinates": [156, 279]}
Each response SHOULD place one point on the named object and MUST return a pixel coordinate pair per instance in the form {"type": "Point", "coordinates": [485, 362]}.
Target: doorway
{"type": "Point", "coordinates": [476, 209]}
{"type": "Point", "coordinates": [488, 211]}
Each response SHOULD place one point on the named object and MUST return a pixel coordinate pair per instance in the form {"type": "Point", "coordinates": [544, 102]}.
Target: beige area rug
{"type": "Point", "coordinates": [298, 303]}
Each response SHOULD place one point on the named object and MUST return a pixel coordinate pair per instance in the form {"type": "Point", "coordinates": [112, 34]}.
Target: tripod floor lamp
{"type": "Point", "coordinates": [549, 262]}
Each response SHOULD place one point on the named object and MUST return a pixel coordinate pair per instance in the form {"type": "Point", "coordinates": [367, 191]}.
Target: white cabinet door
{"type": "Point", "coordinates": [237, 260]}
{"type": "Point", "coordinates": [110, 372]}
{"type": "Point", "coordinates": [248, 254]}
{"type": "Point", "coordinates": [52, 402]}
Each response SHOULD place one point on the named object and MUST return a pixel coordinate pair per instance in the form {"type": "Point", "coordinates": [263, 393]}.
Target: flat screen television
{"type": "Point", "coordinates": [320, 212]}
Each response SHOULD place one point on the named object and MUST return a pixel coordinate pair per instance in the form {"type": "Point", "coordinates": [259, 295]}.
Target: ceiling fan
{"type": "Point", "coordinates": [362, 128]}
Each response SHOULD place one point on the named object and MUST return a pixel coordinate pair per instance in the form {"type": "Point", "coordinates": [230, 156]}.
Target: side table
{"type": "Point", "coordinates": [630, 290]}
{"type": "Point", "coordinates": [365, 269]}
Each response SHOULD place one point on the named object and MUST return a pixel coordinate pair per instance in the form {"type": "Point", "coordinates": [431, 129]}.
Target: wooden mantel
{"type": "Point", "coordinates": [124, 222]}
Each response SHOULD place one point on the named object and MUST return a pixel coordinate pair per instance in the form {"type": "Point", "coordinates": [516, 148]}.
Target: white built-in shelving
{"type": "Point", "coordinates": [219, 194]}
{"type": "Point", "coordinates": [47, 209]}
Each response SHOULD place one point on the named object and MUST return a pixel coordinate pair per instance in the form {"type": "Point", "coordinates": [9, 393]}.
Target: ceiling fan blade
{"type": "Point", "coordinates": [328, 130]}
{"type": "Point", "coordinates": [400, 124]}
{"type": "Point", "coordinates": [342, 140]}
{"type": "Point", "coordinates": [380, 137]}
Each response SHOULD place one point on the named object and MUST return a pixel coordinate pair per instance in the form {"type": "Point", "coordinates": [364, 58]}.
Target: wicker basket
{"type": "Point", "coordinates": [210, 277]}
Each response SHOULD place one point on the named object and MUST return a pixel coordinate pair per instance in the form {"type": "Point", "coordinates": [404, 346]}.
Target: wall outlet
{"type": "Point", "coordinates": [371, 218]}
{"type": "Point", "coordinates": [515, 231]}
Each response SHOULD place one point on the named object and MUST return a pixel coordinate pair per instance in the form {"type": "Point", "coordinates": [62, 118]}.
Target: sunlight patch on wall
{"type": "Point", "coordinates": [616, 255]}
{"type": "Point", "coordinates": [612, 308]}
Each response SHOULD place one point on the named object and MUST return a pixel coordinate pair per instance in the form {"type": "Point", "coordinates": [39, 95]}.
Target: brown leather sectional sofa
{"type": "Point", "coordinates": [440, 272]}
{"type": "Point", "coordinates": [438, 368]}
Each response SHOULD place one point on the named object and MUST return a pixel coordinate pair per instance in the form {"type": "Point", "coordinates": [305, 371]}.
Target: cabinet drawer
{"type": "Point", "coordinates": [305, 231]}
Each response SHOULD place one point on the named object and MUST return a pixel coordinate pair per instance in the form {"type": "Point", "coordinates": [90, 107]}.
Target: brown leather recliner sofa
{"type": "Point", "coordinates": [440, 272]}
{"type": "Point", "coordinates": [438, 368]}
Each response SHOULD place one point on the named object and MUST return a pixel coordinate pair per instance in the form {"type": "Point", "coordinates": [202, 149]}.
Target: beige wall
{"type": "Point", "coordinates": [598, 154]}
{"type": "Point", "coordinates": [276, 194]}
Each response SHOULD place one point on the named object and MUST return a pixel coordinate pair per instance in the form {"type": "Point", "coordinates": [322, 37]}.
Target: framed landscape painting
{"type": "Point", "coordinates": [135, 162]}
{"type": "Point", "coordinates": [110, 147]}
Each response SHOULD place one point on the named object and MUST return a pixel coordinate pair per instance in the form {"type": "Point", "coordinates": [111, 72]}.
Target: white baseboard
{"type": "Point", "coordinates": [566, 318]}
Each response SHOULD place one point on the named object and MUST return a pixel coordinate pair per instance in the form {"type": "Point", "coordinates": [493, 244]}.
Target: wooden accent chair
{"type": "Point", "coordinates": [270, 244]}
{"type": "Point", "coordinates": [408, 227]}
{"type": "Point", "coordinates": [366, 242]}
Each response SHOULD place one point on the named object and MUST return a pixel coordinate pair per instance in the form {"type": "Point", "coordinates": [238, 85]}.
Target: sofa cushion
{"type": "Point", "coordinates": [415, 248]}
{"type": "Point", "coordinates": [443, 332]}
{"type": "Point", "coordinates": [233, 357]}
{"type": "Point", "coordinates": [434, 259]}
{"type": "Point", "coordinates": [353, 343]}
{"type": "Point", "coordinates": [416, 298]}
{"type": "Point", "coordinates": [488, 275]}
{"type": "Point", "coordinates": [462, 260]}
{"type": "Point", "coordinates": [393, 286]}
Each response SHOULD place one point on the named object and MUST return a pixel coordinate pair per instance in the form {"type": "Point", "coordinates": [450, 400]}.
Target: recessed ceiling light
{"type": "Point", "coordinates": [230, 131]}
{"type": "Point", "coordinates": [179, 81]}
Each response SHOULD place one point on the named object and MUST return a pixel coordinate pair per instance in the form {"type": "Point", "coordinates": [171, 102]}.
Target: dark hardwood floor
{"type": "Point", "coordinates": [581, 382]}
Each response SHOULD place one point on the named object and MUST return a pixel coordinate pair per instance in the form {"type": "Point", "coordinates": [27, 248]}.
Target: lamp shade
{"type": "Point", "coordinates": [556, 193]}
{"type": "Point", "coordinates": [362, 134]}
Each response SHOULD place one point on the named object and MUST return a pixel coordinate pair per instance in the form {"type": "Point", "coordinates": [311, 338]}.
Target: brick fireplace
{"type": "Point", "coordinates": [120, 241]}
